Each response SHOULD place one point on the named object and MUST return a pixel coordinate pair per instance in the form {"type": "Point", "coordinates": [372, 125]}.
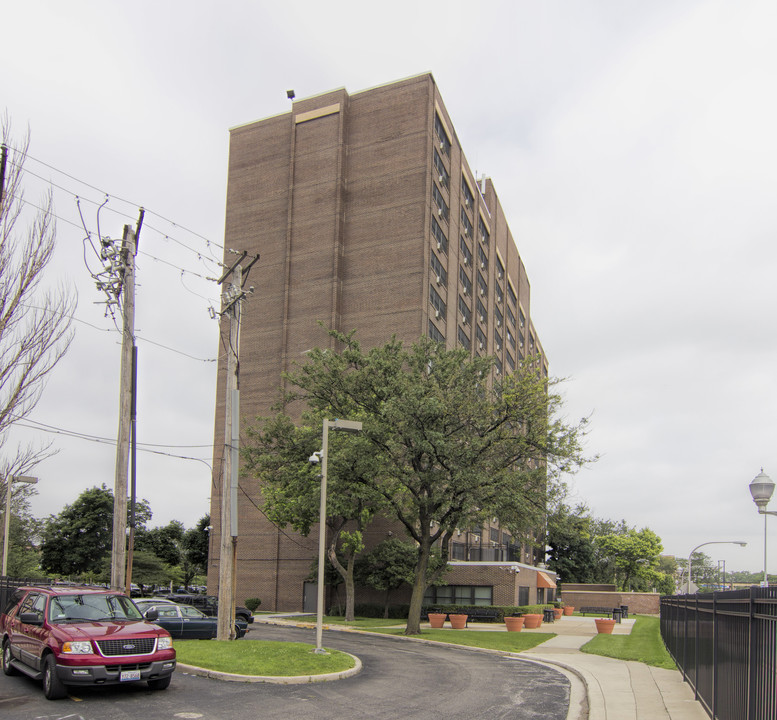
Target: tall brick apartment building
{"type": "Point", "coordinates": [367, 216]}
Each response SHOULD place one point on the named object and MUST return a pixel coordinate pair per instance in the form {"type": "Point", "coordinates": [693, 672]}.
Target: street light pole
{"type": "Point", "coordinates": [713, 542]}
{"type": "Point", "coordinates": [761, 488]}
{"type": "Point", "coordinates": [352, 426]}
{"type": "Point", "coordinates": [9, 481]}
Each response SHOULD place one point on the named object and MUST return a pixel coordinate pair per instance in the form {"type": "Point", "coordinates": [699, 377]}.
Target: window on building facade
{"type": "Point", "coordinates": [521, 319]}
{"type": "Point", "coordinates": [499, 294]}
{"type": "Point", "coordinates": [500, 269]}
{"type": "Point", "coordinates": [466, 283]}
{"type": "Point", "coordinates": [466, 224]}
{"type": "Point", "coordinates": [497, 366]}
{"type": "Point", "coordinates": [520, 343]}
{"type": "Point", "coordinates": [469, 199]}
{"type": "Point", "coordinates": [510, 362]}
{"type": "Point", "coordinates": [440, 204]}
{"type": "Point", "coordinates": [466, 253]}
{"type": "Point", "coordinates": [439, 236]}
{"type": "Point", "coordinates": [439, 270]}
{"type": "Point", "coordinates": [484, 234]}
{"type": "Point", "coordinates": [482, 285]}
{"type": "Point", "coordinates": [531, 343]}
{"type": "Point", "coordinates": [482, 259]}
{"type": "Point", "coordinates": [435, 334]}
{"type": "Point", "coordinates": [442, 174]}
{"type": "Point", "coordinates": [511, 293]}
{"type": "Point", "coordinates": [464, 311]}
{"type": "Point", "coordinates": [498, 317]}
{"type": "Point", "coordinates": [482, 314]}
{"type": "Point", "coordinates": [510, 316]}
{"type": "Point", "coordinates": [493, 535]}
{"type": "Point", "coordinates": [437, 302]}
{"type": "Point", "coordinates": [442, 137]}
{"type": "Point", "coordinates": [460, 595]}
{"type": "Point", "coordinates": [510, 338]}
{"type": "Point", "coordinates": [481, 338]}
{"type": "Point", "coordinates": [464, 339]}
{"type": "Point", "coordinates": [497, 340]}
{"type": "Point", "coordinates": [523, 595]}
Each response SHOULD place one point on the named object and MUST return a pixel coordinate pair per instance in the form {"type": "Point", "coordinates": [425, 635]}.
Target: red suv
{"type": "Point", "coordinates": [82, 636]}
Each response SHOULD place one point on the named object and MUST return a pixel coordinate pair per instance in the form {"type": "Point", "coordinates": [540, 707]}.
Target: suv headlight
{"type": "Point", "coordinates": [78, 647]}
{"type": "Point", "coordinates": [164, 643]}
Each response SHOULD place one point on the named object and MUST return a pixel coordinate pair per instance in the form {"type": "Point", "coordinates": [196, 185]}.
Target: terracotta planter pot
{"type": "Point", "coordinates": [604, 625]}
{"type": "Point", "coordinates": [568, 609]}
{"type": "Point", "coordinates": [458, 622]}
{"type": "Point", "coordinates": [437, 620]}
{"type": "Point", "coordinates": [532, 621]}
{"type": "Point", "coordinates": [514, 624]}
{"type": "Point", "coordinates": [557, 613]}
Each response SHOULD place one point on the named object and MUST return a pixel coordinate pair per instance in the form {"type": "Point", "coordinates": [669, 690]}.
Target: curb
{"type": "Point", "coordinates": [275, 679]}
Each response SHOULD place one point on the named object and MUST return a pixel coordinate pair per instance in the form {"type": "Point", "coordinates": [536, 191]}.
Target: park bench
{"type": "Point", "coordinates": [617, 613]}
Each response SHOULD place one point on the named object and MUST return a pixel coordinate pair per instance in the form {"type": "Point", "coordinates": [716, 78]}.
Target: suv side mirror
{"type": "Point", "coordinates": [31, 618]}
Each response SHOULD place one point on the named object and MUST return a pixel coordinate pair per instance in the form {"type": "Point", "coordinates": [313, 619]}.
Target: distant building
{"type": "Point", "coordinates": [367, 215]}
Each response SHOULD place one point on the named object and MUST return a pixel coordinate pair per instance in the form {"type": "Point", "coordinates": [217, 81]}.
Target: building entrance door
{"type": "Point", "coordinates": [309, 596]}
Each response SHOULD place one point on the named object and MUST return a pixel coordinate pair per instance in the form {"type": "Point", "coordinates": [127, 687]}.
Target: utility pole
{"type": "Point", "coordinates": [233, 298]}
{"type": "Point", "coordinates": [126, 286]}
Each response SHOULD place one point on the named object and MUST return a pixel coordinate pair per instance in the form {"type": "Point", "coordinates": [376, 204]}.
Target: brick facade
{"type": "Point", "coordinates": [355, 203]}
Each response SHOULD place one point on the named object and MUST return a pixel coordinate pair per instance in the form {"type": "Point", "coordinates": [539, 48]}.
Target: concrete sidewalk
{"type": "Point", "coordinates": [614, 689]}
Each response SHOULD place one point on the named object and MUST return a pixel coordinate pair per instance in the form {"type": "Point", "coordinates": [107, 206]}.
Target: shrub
{"type": "Point", "coordinates": [253, 603]}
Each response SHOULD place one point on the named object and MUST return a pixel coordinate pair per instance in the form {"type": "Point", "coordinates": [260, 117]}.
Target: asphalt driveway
{"type": "Point", "coordinates": [399, 679]}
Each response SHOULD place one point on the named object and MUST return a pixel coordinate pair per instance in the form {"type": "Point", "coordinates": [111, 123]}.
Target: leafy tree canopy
{"type": "Point", "coordinates": [78, 539]}
{"type": "Point", "coordinates": [448, 445]}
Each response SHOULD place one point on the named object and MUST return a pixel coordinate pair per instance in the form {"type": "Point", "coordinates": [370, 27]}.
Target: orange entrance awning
{"type": "Point", "coordinates": [544, 581]}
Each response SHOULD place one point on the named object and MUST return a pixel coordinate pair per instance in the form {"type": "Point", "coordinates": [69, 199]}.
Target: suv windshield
{"type": "Point", "coordinates": [94, 607]}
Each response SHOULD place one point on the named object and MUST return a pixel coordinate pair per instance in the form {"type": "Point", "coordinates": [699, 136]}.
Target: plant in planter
{"type": "Point", "coordinates": [458, 620]}
{"type": "Point", "coordinates": [513, 624]}
{"type": "Point", "coordinates": [557, 613]}
{"type": "Point", "coordinates": [569, 609]}
{"type": "Point", "coordinates": [605, 625]}
{"type": "Point", "coordinates": [437, 620]}
{"type": "Point", "coordinates": [532, 620]}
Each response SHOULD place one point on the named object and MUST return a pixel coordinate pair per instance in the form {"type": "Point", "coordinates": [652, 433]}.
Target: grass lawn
{"type": "Point", "coordinates": [363, 623]}
{"type": "Point", "coordinates": [644, 644]}
{"type": "Point", "coordinates": [260, 657]}
{"type": "Point", "coordinates": [507, 641]}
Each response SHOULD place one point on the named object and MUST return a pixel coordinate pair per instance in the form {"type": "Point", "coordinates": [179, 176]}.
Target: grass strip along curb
{"type": "Point", "coordinates": [263, 661]}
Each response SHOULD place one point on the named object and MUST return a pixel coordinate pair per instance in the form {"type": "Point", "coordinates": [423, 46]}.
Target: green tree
{"type": "Point", "coordinates": [572, 551]}
{"type": "Point", "coordinates": [165, 542]}
{"type": "Point", "coordinates": [277, 451]}
{"type": "Point", "coordinates": [78, 539]}
{"type": "Point", "coordinates": [450, 445]}
{"type": "Point", "coordinates": [391, 564]}
{"type": "Point", "coordinates": [635, 555]}
{"type": "Point", "coordinates": [195, 549]}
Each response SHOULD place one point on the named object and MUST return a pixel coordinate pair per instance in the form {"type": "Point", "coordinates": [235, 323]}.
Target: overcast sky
{"type": "Point", "coordinates": [633, 146]}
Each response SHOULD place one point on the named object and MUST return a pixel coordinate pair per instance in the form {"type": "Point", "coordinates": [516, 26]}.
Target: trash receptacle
{"type": "Point", "coordinates": [548, 615]}
{"type": "Point", "coordinates": [625, 611]}
{"type": "Point", "coordinates": [616, 614]}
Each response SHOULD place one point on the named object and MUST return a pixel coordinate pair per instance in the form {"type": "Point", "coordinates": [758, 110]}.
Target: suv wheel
{"type": "Point", "coordinates": [53, 688]}
{"type": "Point", "coordinates": [159, 683]}
{"type": "Point", "coordinates": [8, 669]}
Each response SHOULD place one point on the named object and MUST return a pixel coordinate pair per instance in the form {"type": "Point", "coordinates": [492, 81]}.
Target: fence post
{"type": "Point", "coordinates": [714, 653]}
{"type": "Point", "coordinates": [750, 654]}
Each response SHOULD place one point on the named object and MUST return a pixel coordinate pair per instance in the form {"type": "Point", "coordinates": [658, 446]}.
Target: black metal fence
{"type": "Point", "coordinates": [724, 643]}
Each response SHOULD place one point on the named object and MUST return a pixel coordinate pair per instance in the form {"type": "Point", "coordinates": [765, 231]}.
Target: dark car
{"type": "Point", "coordinates": [184, 621]}
{"type": "Point", "coordinates": [209, 605]}
{"type": "Point", "coordinates": [82, 636]}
